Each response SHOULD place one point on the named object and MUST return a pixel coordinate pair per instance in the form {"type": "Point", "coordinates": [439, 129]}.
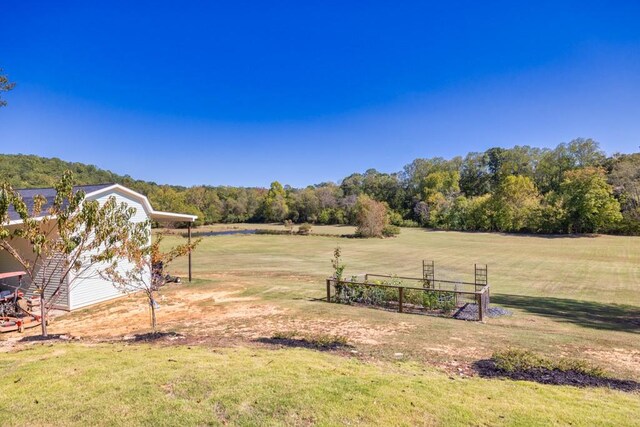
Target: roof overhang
{"type": "Point", "coordinates": [170, 216]}
{"type": "Point", "coordinates": [153, 214]}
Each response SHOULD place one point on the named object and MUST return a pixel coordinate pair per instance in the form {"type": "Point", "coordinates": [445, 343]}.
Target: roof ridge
{"type": "Point", "coordinates": [105, 184]}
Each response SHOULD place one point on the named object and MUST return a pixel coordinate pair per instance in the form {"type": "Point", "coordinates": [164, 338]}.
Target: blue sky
{"type": "Point", "coordinates": [243, 93]}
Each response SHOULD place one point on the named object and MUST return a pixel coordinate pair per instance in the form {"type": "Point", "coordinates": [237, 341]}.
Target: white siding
{"type": "Point", "coordinates": [90, 288]}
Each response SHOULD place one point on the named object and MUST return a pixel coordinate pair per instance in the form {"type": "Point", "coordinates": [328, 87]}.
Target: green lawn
{"type": "Point", "coordinates": [570, 297]}
{"type": "Point", "coordinates": [178, 385]}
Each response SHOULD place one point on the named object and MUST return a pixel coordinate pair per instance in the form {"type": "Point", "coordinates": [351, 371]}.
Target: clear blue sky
{"type": "Point", "coordinates": [242, 93]}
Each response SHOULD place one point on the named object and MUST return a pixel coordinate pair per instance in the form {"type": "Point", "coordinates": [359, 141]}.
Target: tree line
{"type": "Point", "coordinates": [572, 188]}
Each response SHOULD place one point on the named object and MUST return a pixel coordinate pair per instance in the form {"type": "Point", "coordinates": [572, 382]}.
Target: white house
{"type": "Point", "coordinates": [90, 288]}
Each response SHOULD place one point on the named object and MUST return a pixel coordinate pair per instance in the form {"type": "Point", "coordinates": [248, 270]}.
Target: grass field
{"type": "Point", "coordinates": [570, 297]}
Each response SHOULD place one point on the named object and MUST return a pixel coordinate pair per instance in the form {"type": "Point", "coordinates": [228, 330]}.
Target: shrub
{"type": "Point", "coordinates": [524, 360]}
{"type": "Point", "coordinates": [304, 229]}
{"type": "Point", "coordinates": [390, 231]}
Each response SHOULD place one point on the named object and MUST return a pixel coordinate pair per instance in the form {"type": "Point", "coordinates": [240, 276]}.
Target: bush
{"type": "Point", "coordinates": [390, 231]}
{"type": "Point", "coordinates": [304, 229]}
{"type": "Point", "coordinates": [371, 217]}
{"type": "Point", "coordinates": [524, 360]}
{"type": "Point", "coordinates": [394, 217]}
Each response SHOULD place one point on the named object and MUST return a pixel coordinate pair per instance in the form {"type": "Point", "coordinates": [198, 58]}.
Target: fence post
{"type": "Point", "coordinates": [400, 293]}
{"type": "Point", "coordinates": [480, 307]}
{"type": "Point", "coordinates": [328, 290]}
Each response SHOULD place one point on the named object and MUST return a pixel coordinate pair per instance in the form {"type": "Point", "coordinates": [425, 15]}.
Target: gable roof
{"type": "Point", "coordinates": [28, 195]}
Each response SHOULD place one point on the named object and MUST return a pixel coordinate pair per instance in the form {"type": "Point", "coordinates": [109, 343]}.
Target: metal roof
{"type": "Point", "coordinates": [28, 195]}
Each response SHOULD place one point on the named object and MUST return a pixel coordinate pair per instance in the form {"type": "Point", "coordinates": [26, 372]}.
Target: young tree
{"type": "Point", "coordinates": [145, 263]}
{"type": "Point", "coordinates": [67, 240]}
{"type": "Point", "coordinates": [371, 217]}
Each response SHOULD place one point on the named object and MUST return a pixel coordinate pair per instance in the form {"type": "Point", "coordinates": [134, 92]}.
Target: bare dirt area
{"type": "Point", "coordinates": [199, 314]}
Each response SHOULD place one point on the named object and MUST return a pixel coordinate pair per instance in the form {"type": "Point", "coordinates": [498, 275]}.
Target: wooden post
{"type": "Point", "coordinates": [328, 290]}
{"type": "Point", "coordinates": [400, 293]}
{"type": "Point", "coordinates": [480, 307]}
{"type": "Point", "coordinates": [189, 242]}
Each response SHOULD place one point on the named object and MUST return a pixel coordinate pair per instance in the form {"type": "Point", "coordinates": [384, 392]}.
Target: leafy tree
{"type": "Point", "coordinates": [625, 179]}
{"type": "Point", "coordinates": [439, 190]}
{"type": "Point", "coordinates": [553, 164]}
{"type": "Point", "coordinates": [474, 175]}
{"type": "Point", "coordinates": [514, 203]}
{"type": "Point", "coordinates": [275, 203]}
{"type": "Point", "coordinates": [588, 201]}
{"type": "Point", "coordinates": [68, 240]}
{"type": "Point", "coordinates": [5, 86]}
{"type": "Point", "coordinates": [472, 213]}
{"type": "Point", "coordinates": [371, 217]}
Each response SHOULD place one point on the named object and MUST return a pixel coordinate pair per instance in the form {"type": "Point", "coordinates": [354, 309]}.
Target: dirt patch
{"type": "Point", "coordinates": [624, 358]}
{"type": "Point", "coordinates": [200, 311]}
{"type": "Point", "coordinates": [487, 369]}
{"type": "Point", "coordinates": [274, 321]}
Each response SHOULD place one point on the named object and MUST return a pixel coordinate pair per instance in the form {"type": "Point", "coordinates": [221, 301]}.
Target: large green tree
{"type": "Point", "coordinates": [588, 201]}
{"type": "Point", "coordinates": [514, 203]}
{"type": "Point", "coordinates": [275, 203]}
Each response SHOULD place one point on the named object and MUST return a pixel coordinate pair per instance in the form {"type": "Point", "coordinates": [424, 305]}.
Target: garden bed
{"type": "Point", "coordinates": [526, 366]}
{"type": "Point", "coordinates": [410, 295]}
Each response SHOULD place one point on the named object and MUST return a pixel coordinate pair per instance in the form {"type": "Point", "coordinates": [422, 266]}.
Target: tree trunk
{"type": "Point", "coordinates": [152, 304]}
{"type": "Point", "coordinates": [43, 316]}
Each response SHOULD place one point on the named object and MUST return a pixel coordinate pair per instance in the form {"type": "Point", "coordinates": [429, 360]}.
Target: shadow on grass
{"type": "Point", "coordinates": [531, 235]}
{"type": "Point", "coordinates": [589, 314]}
{"type": "Point", "coordinates": [154, 336]}
{"type": "Point", "coordinates": [50, 337]}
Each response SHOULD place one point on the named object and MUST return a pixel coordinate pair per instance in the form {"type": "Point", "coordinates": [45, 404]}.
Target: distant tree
{"type": "Point", "coordinates": [514, 203]}
{"type": "Point", "coordinates": [439, 190]}
{"type": "Point", "coordinates": [371, 217]}
{"type": "Point", "coordinates": [588, 201]}
{"type": "Point", "coordinates": [625, 179]}
{"type": "Point", "coordinates": [275, 203]}
{"type": "Point", "coordinates": [473, 213]}
{"type": "Point", "coordinates": [5, 86]}
{"type": "Point", "coordinates": [475, 179]}
{"type": "Point", "coordinates": [67, 241]}
{"type": "Point", "coordinates": [553, 164]}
